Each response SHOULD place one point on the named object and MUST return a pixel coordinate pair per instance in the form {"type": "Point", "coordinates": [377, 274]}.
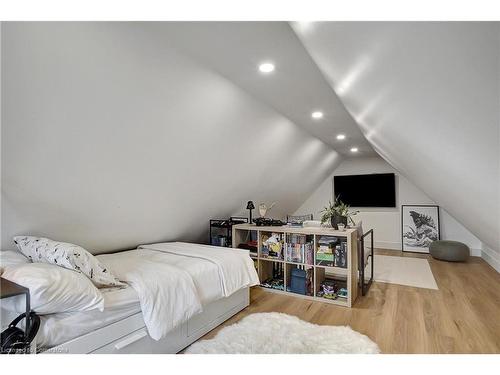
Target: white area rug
{"type": "Point", "coordinates": [404, 271]}
{"type": "Point", "coordinates": [277, 333]}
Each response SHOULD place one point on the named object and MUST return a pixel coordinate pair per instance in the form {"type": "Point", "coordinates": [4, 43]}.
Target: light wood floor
{"type": "Point", "coordinates": [463, 316]}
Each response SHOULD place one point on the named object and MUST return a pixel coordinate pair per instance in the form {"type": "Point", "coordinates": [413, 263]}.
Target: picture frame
{"type": "Point", "coordinates": [419, 227]}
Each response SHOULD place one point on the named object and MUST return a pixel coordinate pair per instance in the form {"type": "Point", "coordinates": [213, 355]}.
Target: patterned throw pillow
{"type": "Point", "coordinates": [67, 255]}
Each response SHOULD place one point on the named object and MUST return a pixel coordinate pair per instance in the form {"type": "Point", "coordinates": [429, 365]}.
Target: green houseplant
{"type": "Point", "coordinates": [336, 213]}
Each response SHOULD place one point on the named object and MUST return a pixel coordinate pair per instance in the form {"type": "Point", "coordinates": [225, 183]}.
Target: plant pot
{"type": "Point", "coordinates": [337, 219]}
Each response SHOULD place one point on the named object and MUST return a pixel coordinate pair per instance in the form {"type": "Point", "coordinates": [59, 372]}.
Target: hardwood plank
{"type": "Point", "coordinates": [463, 316]}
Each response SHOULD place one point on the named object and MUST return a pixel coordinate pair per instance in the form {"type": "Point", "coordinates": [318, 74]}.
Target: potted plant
{"type": "Point", "coordinates": [336, 213]}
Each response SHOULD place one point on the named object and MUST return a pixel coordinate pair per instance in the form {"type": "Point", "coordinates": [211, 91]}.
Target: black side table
{"type": "Point", "coordinates": [225, 225]}
{"type": "Point", "coordinates": [10, 289]}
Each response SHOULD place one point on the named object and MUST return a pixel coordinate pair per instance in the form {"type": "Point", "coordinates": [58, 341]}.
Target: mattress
{"type": "Point", "coordinates": [56, 329]}
{"type": "Point", "coordinates": [119, 304]}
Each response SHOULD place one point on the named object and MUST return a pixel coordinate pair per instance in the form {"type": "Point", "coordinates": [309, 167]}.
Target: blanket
{"type": "Point", "coordinates": [236, 268]}
{"type": "Point", "coordinates": [167, 294]}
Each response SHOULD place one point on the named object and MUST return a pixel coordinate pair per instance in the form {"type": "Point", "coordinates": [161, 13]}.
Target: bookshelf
{"type": "Point", "coordinates": [320, 264]}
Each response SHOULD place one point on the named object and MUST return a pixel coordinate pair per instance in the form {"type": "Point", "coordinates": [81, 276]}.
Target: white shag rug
{"type": "Point", "coordinates": [277, 333]}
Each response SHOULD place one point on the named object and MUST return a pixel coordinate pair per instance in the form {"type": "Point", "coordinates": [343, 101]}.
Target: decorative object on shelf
{"type": "Point", "coordinates": [250, 207]}
{"type": "Point", "coordinates": [272, 246]}
{"type": "Point", "coordinates": [337, 212]}
{"type": "Point", "coordinates": [298, 220]}
{"type": "Point", "coordinates": [328, 289]}
{"type": "Point", "coordinates": [342, 292]}
{"type": "Point", "coordinates": [341, 255]}
{"type": "Point", "coordinates": [276, 280]}
{"type": "Point", "coordinates": [221, 230]}
{"type": "Point", "coordinates": [262, 221]}
{"type": "Point", "coordinates": [263, 209]}
{"type": "Point", "coordinates": [250, 246]}
{"type": "Point", "coordinates": [419, 227]}
{"type": "Point", "coordinates": [311, 224]}
{"type": "Point", "coordinates": [341, 226]}
{"type": "Point", "coordinates": [451, 251]}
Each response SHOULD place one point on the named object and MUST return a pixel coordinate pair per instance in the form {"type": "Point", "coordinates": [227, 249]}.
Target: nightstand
{"type": "Point", "coordinates": [10, 289]}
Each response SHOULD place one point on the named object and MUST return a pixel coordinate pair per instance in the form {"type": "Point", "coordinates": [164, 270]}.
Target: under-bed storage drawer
{"type": "Point", "coordinates": [140, 342]}
{"type": "Point", "coordinates": [220, 309]}
{"type": "Point", "coordinates": [127, 344]}
{"type": "Point", "coordinates": [130, 335]}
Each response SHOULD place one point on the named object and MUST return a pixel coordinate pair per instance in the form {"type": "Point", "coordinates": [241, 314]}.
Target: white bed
{"type": "Point", "coordinates": [56, 329]}
{"type": "Point", "coordinates": [129, 335]}
{"type": "Point", "coordinates": [123, 326]}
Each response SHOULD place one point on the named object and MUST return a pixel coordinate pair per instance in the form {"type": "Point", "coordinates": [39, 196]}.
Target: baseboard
{"type": "Point", "coordinates": [397, 246]}
{"type": "Point", "coordinates": [492, 258]}
{"type": "Point", "coordinates": [387, 245]}
{"type": "Point", "coordinates": [476, 252]}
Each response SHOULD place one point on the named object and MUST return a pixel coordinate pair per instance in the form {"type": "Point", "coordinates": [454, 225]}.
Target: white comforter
{"type": "Point", "coordinates": [235, 266]}
{"type": "Point", "coordinates": [167, 294]}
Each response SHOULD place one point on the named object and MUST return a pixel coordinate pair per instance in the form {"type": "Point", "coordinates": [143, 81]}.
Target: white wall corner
{"type": "Point", "coordinates": [491, 257]}
{"type": "Point", "coordinates": [318, 198]}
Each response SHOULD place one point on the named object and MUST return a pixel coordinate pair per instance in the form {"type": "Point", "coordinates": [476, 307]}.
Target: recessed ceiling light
{"type": "Point", "coordinates": [317, 115]}
{"type": "Point", "coordinates": [266, 67]}
{"type": "Point", "coordinates": [341, 137]}
{"type": "Point", "coordinates": [354, 149]}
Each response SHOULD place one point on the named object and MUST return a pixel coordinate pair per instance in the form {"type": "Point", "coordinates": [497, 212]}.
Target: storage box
{"type": "Point", "coordinates": [298, 281]}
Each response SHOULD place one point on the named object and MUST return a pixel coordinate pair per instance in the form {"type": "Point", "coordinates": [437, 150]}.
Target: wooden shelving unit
{"type": "Point", "coordinates": [267, 266]}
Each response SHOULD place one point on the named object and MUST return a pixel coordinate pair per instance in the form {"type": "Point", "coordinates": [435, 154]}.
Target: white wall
{"type": "Point", "coordinates": [386, 222]}
{"type": "Point", "coordinates": [111, 139]}
{"type": "Point", "coordinates": [490, 256]}
{"type": "Point", "coordinates": [0, 129]}
{"type": "Point", "coordinates": [426, 96]}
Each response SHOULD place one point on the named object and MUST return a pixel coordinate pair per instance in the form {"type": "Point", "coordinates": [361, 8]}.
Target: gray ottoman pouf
{"type": "Point", "coordinates": [452, 251]}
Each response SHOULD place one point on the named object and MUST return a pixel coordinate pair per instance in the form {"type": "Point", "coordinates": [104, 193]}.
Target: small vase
{"type": "Point", "coordinates": [337, 219]}
{"type": "Point", "coordinates": [262, 210]}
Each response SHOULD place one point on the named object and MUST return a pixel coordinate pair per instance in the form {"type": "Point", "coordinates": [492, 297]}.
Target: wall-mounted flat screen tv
{"type": "Point", "coordinates": [366, 190]}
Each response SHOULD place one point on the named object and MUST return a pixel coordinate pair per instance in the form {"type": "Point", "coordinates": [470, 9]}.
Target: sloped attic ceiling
{"type": "Point", "coordinates": [295, 89]}
{"type": "Point", "coordinates": [111, 138]}
{"type": "Point", "coordinates": [426, 96]}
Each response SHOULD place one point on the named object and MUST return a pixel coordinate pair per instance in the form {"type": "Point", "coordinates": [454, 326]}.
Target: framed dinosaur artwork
{"type": "Point", "coordinates": [419, 227]}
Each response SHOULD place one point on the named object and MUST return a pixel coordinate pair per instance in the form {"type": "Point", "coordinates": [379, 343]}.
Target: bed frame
{"type": "Point", "coordinates": [129, 336]}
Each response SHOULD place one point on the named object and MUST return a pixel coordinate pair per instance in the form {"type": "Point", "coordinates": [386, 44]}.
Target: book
{"type": "Point", "coordinates": [299, 250]}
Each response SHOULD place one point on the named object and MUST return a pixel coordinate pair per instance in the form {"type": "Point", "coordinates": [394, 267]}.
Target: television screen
{"type": "Point", "coordinates": [366, 190]}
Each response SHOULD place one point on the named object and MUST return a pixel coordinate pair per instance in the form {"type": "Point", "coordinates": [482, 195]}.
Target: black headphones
{"type": "Point", "coordinates": [14, 340]}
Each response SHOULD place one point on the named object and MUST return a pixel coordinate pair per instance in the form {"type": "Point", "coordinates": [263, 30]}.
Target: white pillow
{"type": "Point", "coordinates": [67, 255]}
{"type": "Point", "coordinates": [12, 258]}
{"type": "Point", "coordinates": [52, 289]}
